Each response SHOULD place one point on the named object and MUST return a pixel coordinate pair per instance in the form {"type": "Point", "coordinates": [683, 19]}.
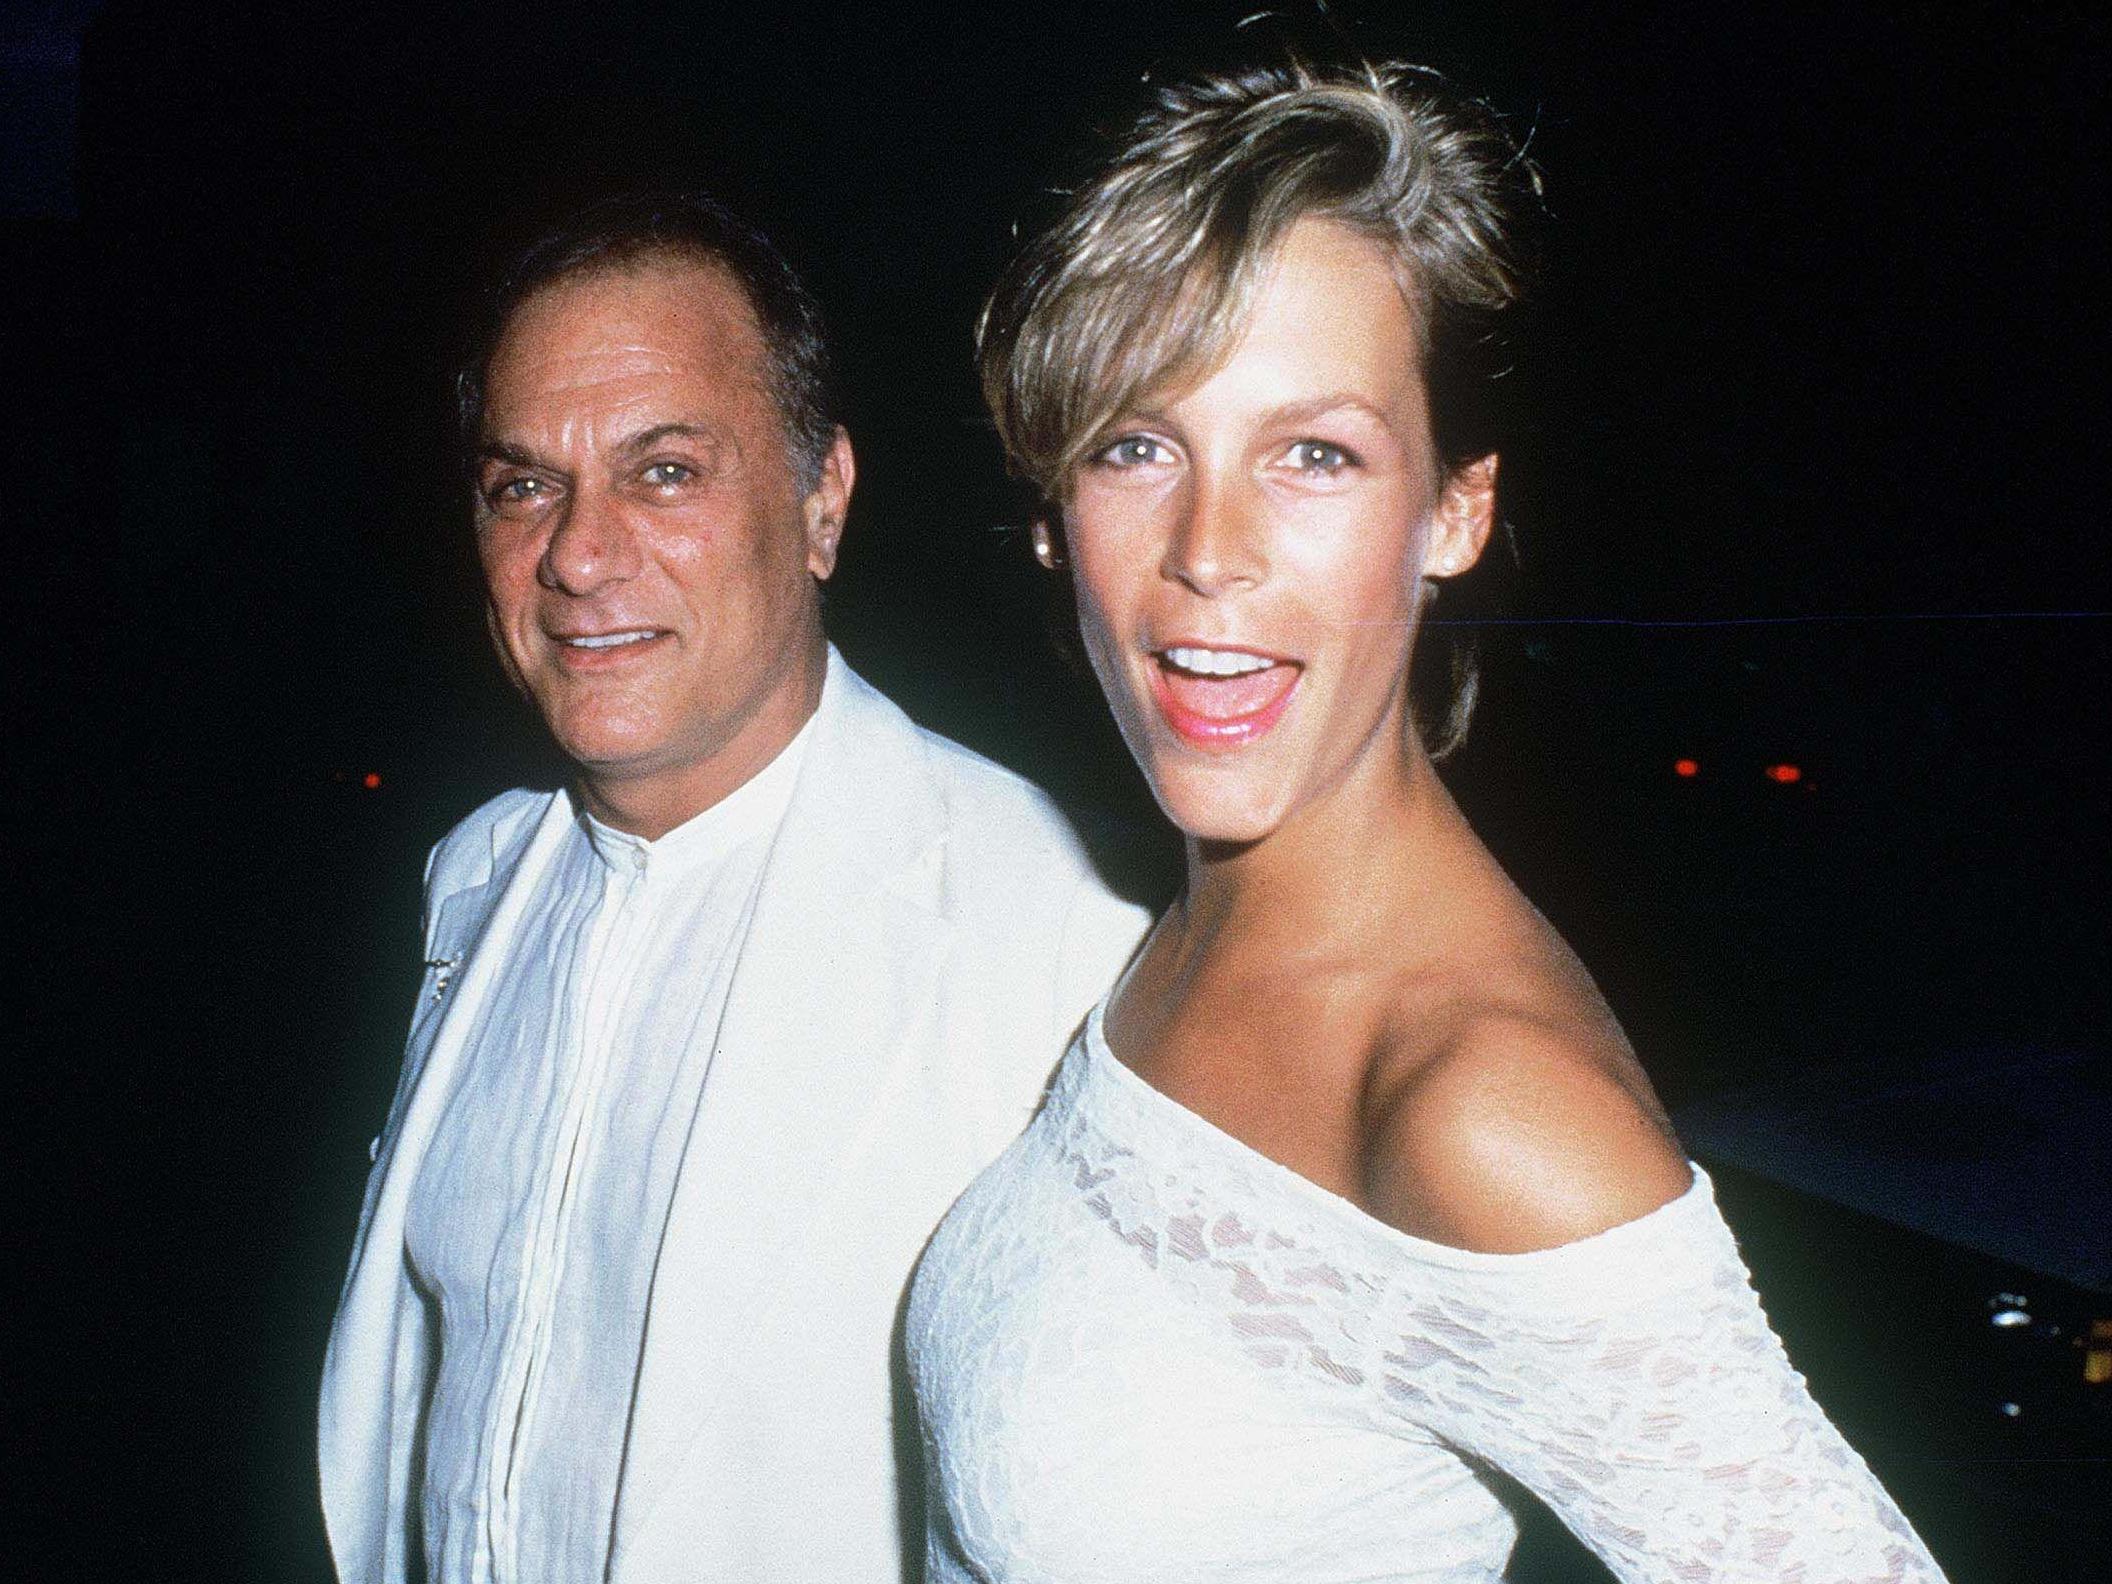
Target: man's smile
{"type": "Point", "coordinates": [595, 651]}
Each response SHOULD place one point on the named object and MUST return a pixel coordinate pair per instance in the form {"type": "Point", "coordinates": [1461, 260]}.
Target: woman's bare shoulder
{"type": "Point", "coordinates": [1515, 1119]}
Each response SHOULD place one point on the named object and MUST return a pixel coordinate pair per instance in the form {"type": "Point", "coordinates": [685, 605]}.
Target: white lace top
{"type": "Point", "coordinates": [1143, 1351]}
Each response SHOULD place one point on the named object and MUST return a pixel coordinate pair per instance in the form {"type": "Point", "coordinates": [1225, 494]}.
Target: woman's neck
{"type": "Point", "coordinates": [1337, 868]}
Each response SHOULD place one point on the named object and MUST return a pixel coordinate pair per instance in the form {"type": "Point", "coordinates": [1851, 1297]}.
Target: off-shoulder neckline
{"type": "Point", "coordinates": [1668, 1219]}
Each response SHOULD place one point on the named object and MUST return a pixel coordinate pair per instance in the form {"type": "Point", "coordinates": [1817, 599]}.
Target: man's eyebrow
{"type": "Point", "coordinates": [500, 451]}
{"type": "Point", "coordinates": [646, 439]}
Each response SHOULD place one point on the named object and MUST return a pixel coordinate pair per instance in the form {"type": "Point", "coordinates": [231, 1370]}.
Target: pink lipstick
{"type": "Point", "coordinates": [1221, 698]}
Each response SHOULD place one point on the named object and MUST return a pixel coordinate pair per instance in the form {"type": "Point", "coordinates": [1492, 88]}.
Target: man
{"type": "Point", "coordinates": [709, 1043]}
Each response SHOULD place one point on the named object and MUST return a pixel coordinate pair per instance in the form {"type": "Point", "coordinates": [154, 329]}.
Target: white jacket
{"type": "Point", "coordinates": [928, 936]}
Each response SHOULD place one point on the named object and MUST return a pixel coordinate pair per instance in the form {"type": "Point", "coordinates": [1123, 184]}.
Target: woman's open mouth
{"type": "Point", "coordinates": [1221, 698]}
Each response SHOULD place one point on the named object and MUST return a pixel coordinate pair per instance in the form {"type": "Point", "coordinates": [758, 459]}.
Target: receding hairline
{"type": "Point", "coordinates": [669, 258]}
{"type": "Point", "coordinates": [674, 256]}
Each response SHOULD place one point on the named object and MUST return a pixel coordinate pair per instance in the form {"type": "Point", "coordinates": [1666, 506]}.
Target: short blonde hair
{"type": "Point", "coordinates": [1145, 281]}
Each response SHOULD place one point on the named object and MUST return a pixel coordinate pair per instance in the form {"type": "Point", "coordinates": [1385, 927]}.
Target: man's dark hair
{"type": "Point", "coordinates": [650, 227]}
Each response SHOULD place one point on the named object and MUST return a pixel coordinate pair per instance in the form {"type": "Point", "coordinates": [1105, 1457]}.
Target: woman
{"type": "Point", "coordinates": [1351, 1195]}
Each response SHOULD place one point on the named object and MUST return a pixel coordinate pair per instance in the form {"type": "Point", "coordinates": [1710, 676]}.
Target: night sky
{"type": "Point", "coordinates": [1810, 479]}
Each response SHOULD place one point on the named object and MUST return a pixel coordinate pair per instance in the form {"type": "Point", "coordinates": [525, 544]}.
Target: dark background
{"type": "Point", "coordinates": [1812, 477]}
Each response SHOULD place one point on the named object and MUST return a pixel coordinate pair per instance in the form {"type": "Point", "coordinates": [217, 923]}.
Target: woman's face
{"type": "Point", "coordinates": [1249, 553]}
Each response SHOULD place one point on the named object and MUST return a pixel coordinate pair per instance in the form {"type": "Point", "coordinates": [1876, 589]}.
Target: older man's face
{"type": "Point", "coordinates": [648, 552]}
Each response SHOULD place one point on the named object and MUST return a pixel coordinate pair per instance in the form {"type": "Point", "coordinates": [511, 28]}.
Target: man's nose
{"type": "Point", "coordinates": [1215, 547]}
{"type": "Point", "coordinates": [591, 546]}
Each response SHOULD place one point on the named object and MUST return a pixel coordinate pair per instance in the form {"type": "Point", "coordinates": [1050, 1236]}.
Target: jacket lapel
{"type": "Point", "coordinates": [470, 932]}
{"type": "Point", "coordinates": [841, 956]}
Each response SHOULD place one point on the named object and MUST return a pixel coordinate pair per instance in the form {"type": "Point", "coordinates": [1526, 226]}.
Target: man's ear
{"type": "Point", "coordinates": [1466, 512]}
{"type": "Point", "coordinates": [828, 504]}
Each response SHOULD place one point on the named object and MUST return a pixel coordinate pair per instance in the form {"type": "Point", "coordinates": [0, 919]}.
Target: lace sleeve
{"type": "Point", "coordinates": [1632, 1382]}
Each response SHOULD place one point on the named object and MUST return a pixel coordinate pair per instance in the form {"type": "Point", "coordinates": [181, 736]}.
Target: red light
{"type": "Point", "coordinates": [372, 779]}
{"type": "Point", "coordinates": [1783, 774]}
{"type": "Point", "coordinates": [1688, 768]}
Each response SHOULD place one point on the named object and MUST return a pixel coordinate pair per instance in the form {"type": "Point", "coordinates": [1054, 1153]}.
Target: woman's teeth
{"type": "Point", "coordinates": [1221, 698]}
{"type": "Point", "coordinates": [1215, 662]}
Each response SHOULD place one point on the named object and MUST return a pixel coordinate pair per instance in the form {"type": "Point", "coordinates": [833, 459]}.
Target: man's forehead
{"type": "Point", "coordinates": [628, 334]}
{"type": "Point", "coordinates": [678, 310]}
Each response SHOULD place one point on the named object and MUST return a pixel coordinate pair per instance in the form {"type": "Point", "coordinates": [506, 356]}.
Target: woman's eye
{"type": "Point", "coordinates": [1317, 456]}
{"type": "Point", "coordinates": [665, 475]}
{"type": "Point", "coordinates": [1132, 451]}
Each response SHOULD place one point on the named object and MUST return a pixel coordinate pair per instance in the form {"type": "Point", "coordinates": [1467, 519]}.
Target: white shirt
{"type": "Point", "coordinates": [535, 1223]}
{"type": "Point", "coordinates": [1144, 1351]}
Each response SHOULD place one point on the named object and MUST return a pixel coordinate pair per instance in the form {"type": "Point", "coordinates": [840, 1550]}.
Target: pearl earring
{"type": "Point", "coordinates": [1045, 550]}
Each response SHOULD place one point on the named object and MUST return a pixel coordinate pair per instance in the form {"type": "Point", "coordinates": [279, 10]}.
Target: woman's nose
{"type": "Point", "coordinates": [1215, 547]}
{"type": "Point", "coordinates": [591, 547]}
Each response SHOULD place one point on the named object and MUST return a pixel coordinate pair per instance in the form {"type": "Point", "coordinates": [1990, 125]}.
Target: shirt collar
{"type": "Point", "coordinates": [751, 809]}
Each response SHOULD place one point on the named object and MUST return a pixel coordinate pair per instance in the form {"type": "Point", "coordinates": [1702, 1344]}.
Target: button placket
{"type": "Point", "coordinates": [544, 1256]}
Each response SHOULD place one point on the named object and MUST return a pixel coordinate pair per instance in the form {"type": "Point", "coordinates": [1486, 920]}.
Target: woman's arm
{"type": "Point", "coordinates": [1608, 1352]}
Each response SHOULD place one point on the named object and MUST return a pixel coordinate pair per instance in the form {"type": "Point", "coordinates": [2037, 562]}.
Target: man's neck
{"type": "Point", "coordinates": [649, 803]}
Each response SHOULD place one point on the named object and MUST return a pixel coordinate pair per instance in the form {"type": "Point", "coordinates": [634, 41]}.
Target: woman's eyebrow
{"type": "Point", "coordinates": [1130, 417]}
{"type": "Point", "coordinates": [1327, 406]}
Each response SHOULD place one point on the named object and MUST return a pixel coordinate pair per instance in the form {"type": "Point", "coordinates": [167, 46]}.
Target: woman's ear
{"type": "Point", "coordinates": [1466, 512]}
{"type": "Point", "coordinates": [1047, 533]}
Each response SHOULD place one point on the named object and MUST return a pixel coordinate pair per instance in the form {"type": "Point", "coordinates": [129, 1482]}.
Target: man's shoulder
{"type": "Point", "coordinates": [485, 843]}
{"type": "Point", "coordinates": [967, 778]}
{"type": "Point", "coordinates": [997, 811]}
{"type": "Point", "coordinates": [977, 797]}
{"type": "Point", "coordinates": [993, 821]}
{"type": "Point", "coordinates": [1020, 878]}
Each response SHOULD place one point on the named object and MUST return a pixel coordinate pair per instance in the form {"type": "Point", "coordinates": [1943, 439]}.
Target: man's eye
{"type": "Point", "coordinates": [1131, 451]}
{"type": "Point", "coordinates": [516, 492]}
{"type": "Point", "coordinates": [665, 475]}
{"type": "Point", "coordinates": [1318, 456]}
